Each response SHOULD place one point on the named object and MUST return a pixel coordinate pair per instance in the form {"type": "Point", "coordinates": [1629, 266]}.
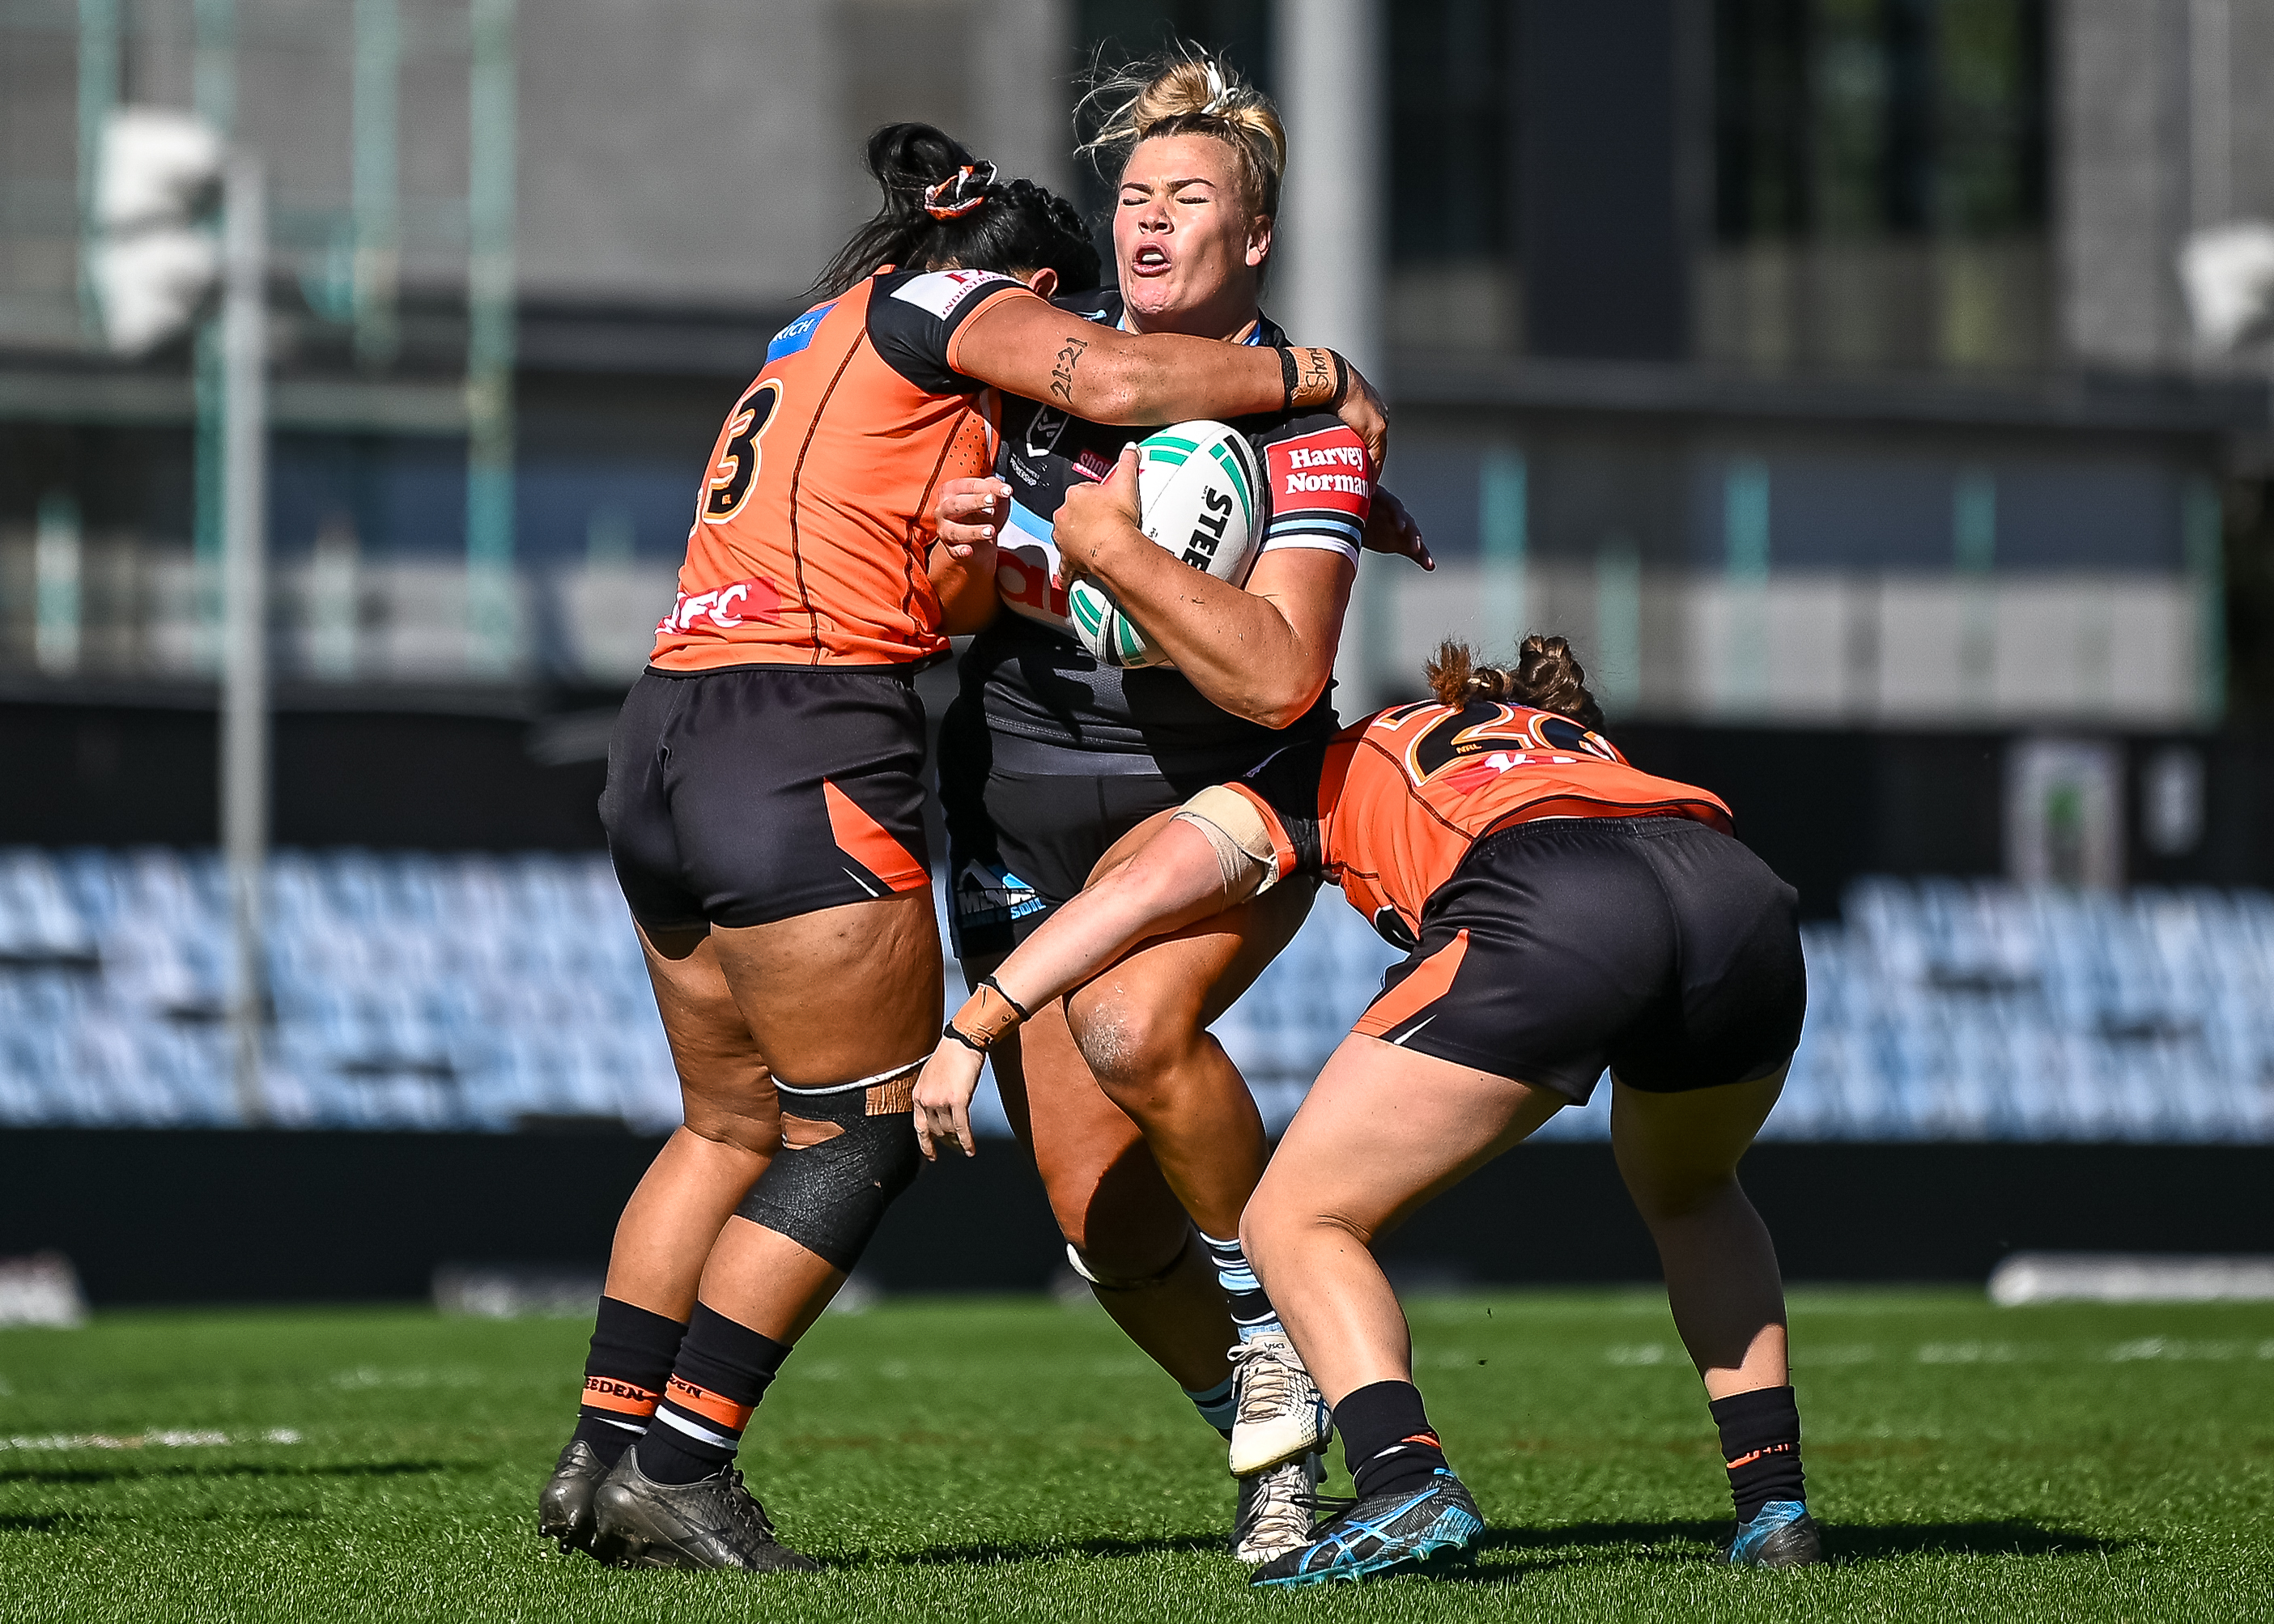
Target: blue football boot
{"type": "Point", "coordinates": [1780, 1535]}
{"type": "Point", "coordinates": [1435, 1525]}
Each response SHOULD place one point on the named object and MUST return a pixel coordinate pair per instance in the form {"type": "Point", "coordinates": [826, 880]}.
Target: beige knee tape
{"type": "Point", "coordinates": [1240, 836]}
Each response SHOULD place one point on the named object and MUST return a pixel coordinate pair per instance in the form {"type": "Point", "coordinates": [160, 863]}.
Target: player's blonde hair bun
{"type": "Point", "coordinates": [1185, 91]}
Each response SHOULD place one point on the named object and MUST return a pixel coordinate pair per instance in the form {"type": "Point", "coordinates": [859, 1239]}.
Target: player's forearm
{"type": "Point", "coordinates": [968, 599]}
{"type": "Point", "coordinates": [1170, 377]}
{"type": "Point", "coordinates": [1173, 880]}
{"type": "Point", "coordinates": [1239, 649]}
{"type": "Point", "coordinates": [1029, 347]}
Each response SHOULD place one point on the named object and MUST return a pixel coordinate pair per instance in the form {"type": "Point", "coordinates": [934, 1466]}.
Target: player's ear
{"type": "Point", "coordinates": [1044, 282]}
{"type": "Point", "coordinates": [1259, 242]}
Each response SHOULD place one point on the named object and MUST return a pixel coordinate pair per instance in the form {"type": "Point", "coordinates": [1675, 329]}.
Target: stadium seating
{"type": "Point", "coordinates": [1959, 1010]}
{"type": "Point", "coordinates": [488, 992]}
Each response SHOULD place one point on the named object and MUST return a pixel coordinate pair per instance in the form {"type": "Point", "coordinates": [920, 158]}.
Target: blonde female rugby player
{"type": "Point", "coordinates": [1135, 1117]}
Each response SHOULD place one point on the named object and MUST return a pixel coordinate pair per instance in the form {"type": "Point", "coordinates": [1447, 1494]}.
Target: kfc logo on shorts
{"type": "Point", "coordinates": [724, 608]}
{"type": "Point", "coordinates": [1326, 469]}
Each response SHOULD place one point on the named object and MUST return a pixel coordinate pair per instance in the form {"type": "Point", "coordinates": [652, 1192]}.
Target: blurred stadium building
{"type": "Point", "coordinates": [1823, 367]}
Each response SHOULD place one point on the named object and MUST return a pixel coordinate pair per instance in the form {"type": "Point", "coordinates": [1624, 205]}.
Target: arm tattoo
{"type": "Point", "coordinates": [1062, 372]}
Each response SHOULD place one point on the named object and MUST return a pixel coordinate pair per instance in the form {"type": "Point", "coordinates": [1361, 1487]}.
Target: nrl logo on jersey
{"type": "Point", "coordinates": [1042, 433]}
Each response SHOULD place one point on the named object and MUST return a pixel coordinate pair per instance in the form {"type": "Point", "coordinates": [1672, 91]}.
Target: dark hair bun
{"type": "Point", "coordinates": [1011, 226]}
{"type": "Point", "coordinates": [907, 158]}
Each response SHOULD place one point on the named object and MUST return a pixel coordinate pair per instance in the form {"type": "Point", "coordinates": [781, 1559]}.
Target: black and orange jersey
{"type": "Point", "coordinates": [1388, 807]}
{"type": "Point", "coordinates": [813, 521]}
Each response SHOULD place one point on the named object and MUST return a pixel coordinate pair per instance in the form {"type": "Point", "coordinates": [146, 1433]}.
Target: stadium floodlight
{"type": "Point", "coordinates": [151, 285]}
{"type": "Point", "coordinates": [2227, 273]}
{"type": "Point", "coordinates": [153, 266]}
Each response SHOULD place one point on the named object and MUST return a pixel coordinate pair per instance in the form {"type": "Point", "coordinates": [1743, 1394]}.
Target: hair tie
{"type": "Point", "coordinates": [1217, 95]}
{"type": "Point", "coordinates": [965, 190]}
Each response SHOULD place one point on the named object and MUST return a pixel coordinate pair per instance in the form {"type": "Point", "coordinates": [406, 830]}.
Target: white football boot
{"type": "Point", "coordinates": [1279, 1414]}
{"type": "Point", "coordinates": [1277, 1507]}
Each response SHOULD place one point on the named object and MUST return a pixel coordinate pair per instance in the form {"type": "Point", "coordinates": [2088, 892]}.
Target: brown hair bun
{"type": "Point", "coordinates": [1546, 676]}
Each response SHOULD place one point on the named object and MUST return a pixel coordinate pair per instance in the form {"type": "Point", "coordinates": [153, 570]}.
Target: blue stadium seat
{"type": "Point", "coordinates": [477, 991]}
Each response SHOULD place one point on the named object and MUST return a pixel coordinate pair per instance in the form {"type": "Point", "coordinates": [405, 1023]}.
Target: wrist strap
{"type": "Point", "coordinates": [951, 1030]}
{"type": "Point", "coordinates": [987, 1015]}
{"type": "Point", "coordinates": [1342, 380]}
{"type": "Point", "coordinates": [1288, 374]}
{"type": "Point", "coordinates": [990, 982]}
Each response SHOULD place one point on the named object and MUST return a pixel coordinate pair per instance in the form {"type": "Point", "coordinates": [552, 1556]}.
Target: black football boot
{"type": "Point", "coordinates": [564, 1505]}
{"type": "Point", "coordinates": [711, 1523]}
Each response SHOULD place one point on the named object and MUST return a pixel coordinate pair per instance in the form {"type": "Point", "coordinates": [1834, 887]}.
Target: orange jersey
{"type": "Point", "coordinates": [812, 525]}
{"type": "Point", "coordinates": [1388, 807]}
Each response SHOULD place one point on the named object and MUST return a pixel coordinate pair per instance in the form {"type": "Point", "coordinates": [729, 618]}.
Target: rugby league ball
{"type": "Point", "coordinates": [1197, 495]}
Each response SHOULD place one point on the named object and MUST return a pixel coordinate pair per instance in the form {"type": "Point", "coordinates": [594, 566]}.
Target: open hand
{"type": "Point", "coordinates": [970, 512]}
{"type": "Point", "coordinates": [942, 1099]}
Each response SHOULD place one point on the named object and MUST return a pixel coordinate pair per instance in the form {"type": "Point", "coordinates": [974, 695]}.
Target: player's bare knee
{"type": "Point", "coordinates": [1277, 1229]}
{"type": "Point", "coordinates": [1113, 1226]}
{"type": "Point", "coordinates": [1129, 1045]}
{"type": "Point", "coordinates": [1109, 1253]}
{"type": "Point", "coordinates": [1124, 1264]}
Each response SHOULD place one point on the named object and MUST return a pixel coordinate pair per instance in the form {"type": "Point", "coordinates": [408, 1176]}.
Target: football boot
{"type": "Point", "coordinates": [711, 1523]}
{"type": "Point", "coordinates": [564, 1505]}
{"type": "Point", "coordinates": [1780, 1535]}
{"type": "Point", "coordinates": [1415, 1530]}
{"type": "Point", "coordinates": [1275, 1509]}
{"type": "Point", "coordinates": [1278, 1415]}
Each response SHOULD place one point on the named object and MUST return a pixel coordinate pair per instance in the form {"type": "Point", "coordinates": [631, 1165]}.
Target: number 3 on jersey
{"type": "Point", "coordinates": [737, 468]}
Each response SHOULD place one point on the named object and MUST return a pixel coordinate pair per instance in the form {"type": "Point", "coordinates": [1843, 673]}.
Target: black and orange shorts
{"type": "Point", "coordinates": [1654, 946]}
{"type": "Point", "coordinates": [749, 794]}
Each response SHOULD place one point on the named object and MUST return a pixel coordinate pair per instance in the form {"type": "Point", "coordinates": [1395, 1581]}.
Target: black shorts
{"type": "Point", "coordinates": [1655, 947]}
{"type": "Point", "coordinates": [1022, 844]}
{"type": "Point", "coordinates": [751, 794]}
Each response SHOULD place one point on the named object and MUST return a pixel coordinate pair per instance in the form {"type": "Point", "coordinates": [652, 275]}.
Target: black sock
{"type": "Point", "coordinates": [1387, 1439]}
{"type": "Point", "coordinates": [722, 1372]}
{"type": "Point", "coordinates": [1760, 1443]}
{"type": "Point", "coordinates": [632, 1351]}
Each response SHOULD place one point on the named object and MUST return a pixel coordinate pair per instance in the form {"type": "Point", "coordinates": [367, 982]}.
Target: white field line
{"type": "Point", "coordinates": [169, 1439]}
{"type": "Point", "coordinates": [2171, 1348]}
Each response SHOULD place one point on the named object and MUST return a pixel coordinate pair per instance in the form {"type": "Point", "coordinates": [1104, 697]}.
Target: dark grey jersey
{"type": "Point", "coordinates": [1043, 695]}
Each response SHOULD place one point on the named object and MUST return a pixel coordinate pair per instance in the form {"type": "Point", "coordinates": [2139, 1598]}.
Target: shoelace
{"type": "Point", "coordinates": [747, 1508]}
{"type": "Point", "coordinates": [1269, 1382]}
{"type": "Point", "coordinates": [1340, 1505]}
{"type": "Point", "coordinates": [1280, 1508]}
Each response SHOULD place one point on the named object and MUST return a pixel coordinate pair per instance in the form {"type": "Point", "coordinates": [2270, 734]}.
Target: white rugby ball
{"type": "Point", "coordinates": [1198, 495]}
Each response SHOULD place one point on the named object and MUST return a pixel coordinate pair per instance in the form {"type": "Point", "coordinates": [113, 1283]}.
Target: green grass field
{"type": "Point", "coordinates": [1018, 1460]}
